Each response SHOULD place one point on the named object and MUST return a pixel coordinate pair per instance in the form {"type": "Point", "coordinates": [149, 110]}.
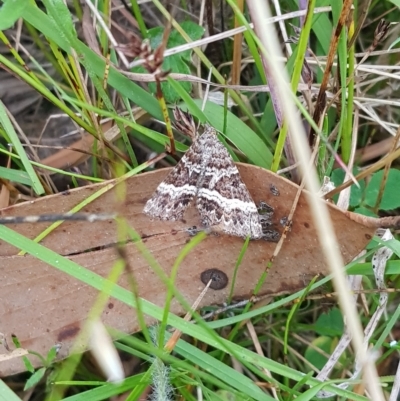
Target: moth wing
{"type": "Point", "coordinates": [223, 200]}
{"type": "Point", "coordinates": [175, 193]}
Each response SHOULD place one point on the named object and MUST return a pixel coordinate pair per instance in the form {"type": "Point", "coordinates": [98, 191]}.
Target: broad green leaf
{"type": "Point", "coordinates": [391, 198]}
{"type": "Point", "coordinates": [330, 324]}
{"type": "Point", "coordinates": [178, 63]}
{"type": "Point", "coordinates": [364, 211]}
{"type": "Point", "coordinates": [356, 193]}
{"type": "Point", "coordinates": [10, 12]}
{"type": "Point", "coordinates": [315, 357]}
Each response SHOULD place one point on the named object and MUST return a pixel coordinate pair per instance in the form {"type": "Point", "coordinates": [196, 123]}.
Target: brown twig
{"type": "Point", "coordinates": [320, 104]}
{"type": "Point", "coordinates": [237, 48]}
{"type": "Point", "coordinates": [380, 33]}
{"type": "Point", "coordinates": [375, 222]}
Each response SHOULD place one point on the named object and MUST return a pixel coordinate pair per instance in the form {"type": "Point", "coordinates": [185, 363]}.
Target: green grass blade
{"type": "Point", "coordinates": [13, 138]}
{"type": "Point", "coordinates": [41, 21]}
{"type": "Point", "coordinates": [221, 371]}
{"type": "Point", "coordinates": [15, 176]}
{"type": "Point", "coordinates": [6, 394]}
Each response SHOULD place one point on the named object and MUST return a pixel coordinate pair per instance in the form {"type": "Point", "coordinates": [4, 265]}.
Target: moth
{"type": "Point", "coordinates": [207, 172]}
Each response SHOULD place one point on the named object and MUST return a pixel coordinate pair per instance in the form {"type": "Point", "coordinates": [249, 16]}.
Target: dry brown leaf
{"type": "Point", "coordinates": [72, 156]}
{"type": "Point", "coordinates": [4, 196]}
{"type": "Point", "coordinates": [43, 306]}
